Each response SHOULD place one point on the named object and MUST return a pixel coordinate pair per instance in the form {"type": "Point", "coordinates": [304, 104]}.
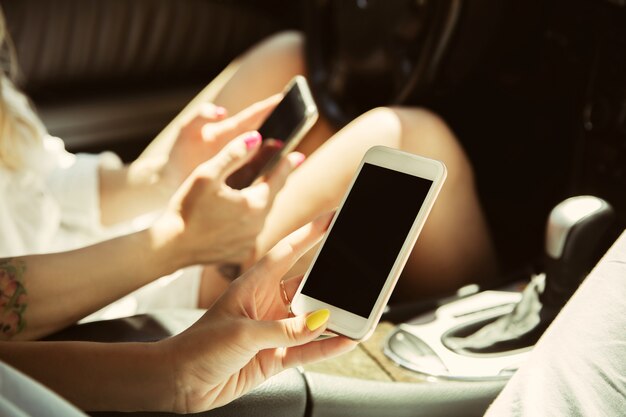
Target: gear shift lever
{"type": "Point", "coordinates": [574, 236]}
{"type": "Point", "coordinates": [574, 241]}
{"type": "Point", "coordinates": [487, 335]}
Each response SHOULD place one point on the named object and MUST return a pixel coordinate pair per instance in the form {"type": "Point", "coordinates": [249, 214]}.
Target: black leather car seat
{"type": "Point", "coordinates": [108, 73]}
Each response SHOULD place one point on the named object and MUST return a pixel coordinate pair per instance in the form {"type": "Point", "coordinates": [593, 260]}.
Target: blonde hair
{"type": "Point", "coordinates": [20, 127]}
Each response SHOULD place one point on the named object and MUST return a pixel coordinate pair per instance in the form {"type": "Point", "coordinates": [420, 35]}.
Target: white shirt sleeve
{"type": "Point", "coordinates": [74, 183]}
{"type": "Point", "coordinates": [53, 205]}
{"type": "Point", "coordinates": [53, 202]}
{"type": "Point", "coordinates": [578, 367]}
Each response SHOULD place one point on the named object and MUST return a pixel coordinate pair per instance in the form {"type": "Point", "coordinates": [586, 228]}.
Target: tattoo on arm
{"type": "Point", "coordinates": [12, 298]}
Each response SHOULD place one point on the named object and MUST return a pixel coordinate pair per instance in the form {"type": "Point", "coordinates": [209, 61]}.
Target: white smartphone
{"type": "Point", "coordinates": [369, 240]}
{"type": "Point", "coordinates": [283, 129]}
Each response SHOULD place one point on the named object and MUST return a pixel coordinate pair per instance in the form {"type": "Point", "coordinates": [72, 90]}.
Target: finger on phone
{"type": "Point", "coordinates": [317, 350]}
{"type": "Point", "coordinates": [249, 118]}
{"type": "Point", "coordinates": [286, 253]}
{"type": "Point", "coordinates": [211, 112]}
{"type": "Point", "coordinates": [292, 331]}
{"type": "Point", "coordinates": [247, 175]}
{"type": "Point", "coordinates": [204, 113]}
{"type": "Point", "coordinates": [277, 177]}
{"type": "Point", "coordinates": [235, 154]}
{"type": "Point", "coordinates": [291, 286]}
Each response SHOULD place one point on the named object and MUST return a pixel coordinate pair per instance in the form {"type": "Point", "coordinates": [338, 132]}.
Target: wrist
{"type": "Point", "coordinates": [166, 243]}
{"type": "Point", "coordinates": [167, 354]}
{"type": "Point", "coordinates": [162, 367]}
{"type": "Point", "coordinates": [133, 190]}
{"type": "Point", "coordinates": [147, 374]}
{"type": "Point", "coordinates": [154, 172]}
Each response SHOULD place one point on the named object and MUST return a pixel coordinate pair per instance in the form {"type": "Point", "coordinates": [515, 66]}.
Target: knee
{"type": "Point", "coordinates": [413, 126]}
{"type": "Point", "coordinates": [384, 119]}
{"type": "Point", "coordinates": [288, 39]}
{"type": "Point", "coordinates": [426, 133]}
{"type": "Point", "coordinates": [418, 131]}
{"type": "Point", "coordinates": [289, 42]}
{"type": "Point", "coordinates": [280, 54]}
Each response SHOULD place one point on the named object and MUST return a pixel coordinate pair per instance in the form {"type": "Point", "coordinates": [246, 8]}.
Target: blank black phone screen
{"type": "Point", "coordinates": [279, 127]}
{"type": "Point", "coordinates": [286, 118]}
{"type": "Point", "coordinates": [358, 254]}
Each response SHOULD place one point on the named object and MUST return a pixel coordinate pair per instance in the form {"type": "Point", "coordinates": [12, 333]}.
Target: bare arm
{"type": "Point", "coordinates": [44, 293]}
{"type": "Point", "coordinates": [148, 183]}
{"type": "Point", "coordinates": [98, 376]}
{"type": "Point", "coordinates": [131, 191]}
{"type": "Point", "coordinates": [246, 337]}
{"type": "Point", "coordinates": [205, 222]}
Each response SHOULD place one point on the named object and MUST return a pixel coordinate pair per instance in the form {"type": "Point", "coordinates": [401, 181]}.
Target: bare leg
{"type": "Point", "coordinates": [263, 71]}
{"type": "Point", "coordinates": [454, 247]}
{"type": "Point", "coordinates": [257, 74]}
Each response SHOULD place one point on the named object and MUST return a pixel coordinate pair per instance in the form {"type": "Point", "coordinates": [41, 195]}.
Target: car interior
{"type": "Point", "coordinates": [534, 90]}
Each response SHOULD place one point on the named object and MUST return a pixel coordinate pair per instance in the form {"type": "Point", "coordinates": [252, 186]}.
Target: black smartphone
{"type": "Point", "coordinates": [283, 129]}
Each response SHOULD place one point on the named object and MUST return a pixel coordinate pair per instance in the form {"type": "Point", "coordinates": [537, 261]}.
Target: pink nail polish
{"type": "Point", "coordinates": [252, 140]}
{"type": "Point", "coordinates": [299, 158]}
{"type": "Point", "coordinates": [220, 111]}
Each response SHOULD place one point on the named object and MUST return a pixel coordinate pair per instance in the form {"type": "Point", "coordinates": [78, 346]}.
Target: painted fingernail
{"type": "Point", "coordinates": [317, 319]}
{"type": "Point", "coordinates": [252, 140]}
{"type": "Point", "coordinates": [298, 158]}
{"type": "Point", "coordinates": [220, 111]}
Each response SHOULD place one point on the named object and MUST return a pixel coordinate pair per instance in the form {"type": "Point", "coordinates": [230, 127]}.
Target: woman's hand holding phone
{"type": "Point", "coordinates": [202, 135]}
{"type": "Point", "coordinates": [370, 240]}
{"type": "Point", "coordinates": [201, 138]}
{"type": "Point", "coordinates": [282, 130]}
{"type": "Point", "coordinates": [206, 221]}
{"type": "Point", "coordinates": [248, 334]}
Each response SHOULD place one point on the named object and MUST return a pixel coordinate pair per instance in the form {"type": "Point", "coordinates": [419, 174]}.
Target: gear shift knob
{"type": "Point", "coordinates": [575, 238]}
{"type": "Point", "coordinates": [578, 233]}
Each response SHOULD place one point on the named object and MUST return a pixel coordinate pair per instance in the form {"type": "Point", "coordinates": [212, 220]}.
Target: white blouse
{"type": "Point", "coordinates": [52, 204]}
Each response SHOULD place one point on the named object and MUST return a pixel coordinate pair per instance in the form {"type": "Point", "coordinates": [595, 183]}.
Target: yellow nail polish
{"type": "Point", "coordinates": [317, 319]}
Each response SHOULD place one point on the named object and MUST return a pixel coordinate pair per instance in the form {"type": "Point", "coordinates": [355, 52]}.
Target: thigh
{"type": "Point", "coordinates": [320, 182]}
{"type": "Point", "coordinates": [262, 71]}
{"type": "Point", "coordinates": [454, 246]}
